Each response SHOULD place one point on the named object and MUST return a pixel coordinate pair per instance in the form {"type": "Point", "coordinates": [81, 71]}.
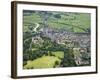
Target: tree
{"type": "Point", "coordinates": [30, 28]}
{"type": "Point", "coordinates": [68, 59]}
{"type": "Point", "coordinates": [88, 30]}
{"type": "Point", "coordinates": [56, 63]}
{"type": "Point", "coordinates": [58, 16]}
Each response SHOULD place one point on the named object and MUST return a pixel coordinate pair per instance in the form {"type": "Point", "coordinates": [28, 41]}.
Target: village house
{"type": "Point", "coordinates": [82, 39]}
{"type": "Point", "coordinates": [37, 39]}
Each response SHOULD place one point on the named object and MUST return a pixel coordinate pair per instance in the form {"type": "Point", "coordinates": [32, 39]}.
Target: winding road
{"type": "Point", "coordinates": [37, 25]}
{"type": "Point", "coordinates": [35, 30]}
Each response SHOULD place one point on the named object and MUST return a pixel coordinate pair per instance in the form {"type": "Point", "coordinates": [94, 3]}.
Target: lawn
{"type": "Point", "coordinates": [58, 54]}
{"type": "Point", "coordinates": [33, 49]}
{"type": "Point", "coordinates": [42, 62]}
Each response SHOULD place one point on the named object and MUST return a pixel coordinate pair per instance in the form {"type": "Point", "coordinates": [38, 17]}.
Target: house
{"type": "Point", "coordinates": [82, 39]}
{"type": "Point", "coordinates": [37, 39]}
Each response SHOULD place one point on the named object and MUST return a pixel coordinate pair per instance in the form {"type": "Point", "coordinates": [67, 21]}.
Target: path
{"type": "Point", "coordinates": [37, 25]}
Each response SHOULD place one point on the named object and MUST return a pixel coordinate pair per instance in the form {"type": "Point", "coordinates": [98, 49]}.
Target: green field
{"type": "Point", "coordinates": [79, 22]}
{"type": "Point", "coordinates": [58, 54]}
{"type": "Point", "coordinates": [43, 62]}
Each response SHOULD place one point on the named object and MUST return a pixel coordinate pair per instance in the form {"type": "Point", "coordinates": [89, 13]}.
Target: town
{"type": "Point", "coordinates": [80, 42]}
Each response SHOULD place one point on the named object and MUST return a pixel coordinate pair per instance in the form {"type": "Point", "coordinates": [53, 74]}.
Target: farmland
{"type": "Point", "coordinates": [79, 22]}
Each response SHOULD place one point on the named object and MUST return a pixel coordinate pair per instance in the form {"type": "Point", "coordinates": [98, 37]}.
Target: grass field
{"type": "Point", "coordinates": [33, 49]}
{"type": "Point", "coordinates": [58, 54]}
{"type": "Point", "coordinates": [43, 62]}
{"type": "Point", "coordinates": [79, 22]}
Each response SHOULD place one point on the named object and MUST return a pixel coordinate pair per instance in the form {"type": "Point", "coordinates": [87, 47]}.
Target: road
{"type": "Point", "coordinates": [35, 29]}
{"type": "Point", "coordinates": [37, 25]}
